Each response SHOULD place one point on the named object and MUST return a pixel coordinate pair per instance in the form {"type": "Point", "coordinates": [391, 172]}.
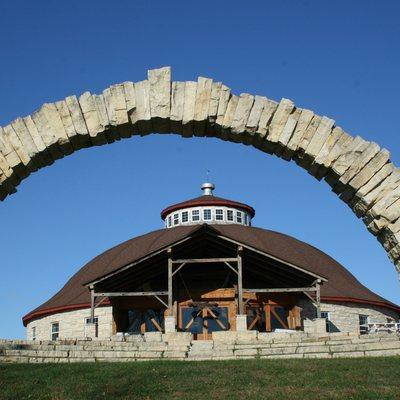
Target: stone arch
{"type": "Point", "coordinates": [358, 171]}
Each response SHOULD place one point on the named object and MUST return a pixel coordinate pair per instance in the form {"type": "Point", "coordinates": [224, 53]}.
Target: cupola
{"type": "Point", "coordinates": [207, 209]}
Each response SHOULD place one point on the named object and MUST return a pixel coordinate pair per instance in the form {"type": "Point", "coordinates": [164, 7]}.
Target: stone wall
{"type": "Point", "coordinates": [181, 346]}
{"type": "Point", "coordinates": [357, 170]}
{"type": "Point", "coordinates": [344, 317]}
{"type": "Point", "coordinates": [72, 324]}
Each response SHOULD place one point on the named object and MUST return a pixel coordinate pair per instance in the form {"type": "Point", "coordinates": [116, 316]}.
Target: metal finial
{"type": "Point", "coordinates": [207, 188]}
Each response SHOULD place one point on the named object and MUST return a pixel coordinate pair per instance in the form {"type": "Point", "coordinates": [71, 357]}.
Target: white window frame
{"type": "Point", "coordinates": [176, 219]}
{"type": "Point", "coordinates": [185, 213]}
{"type": "Point", "coordinates": [363, 329]}
{"type": "Point", "coordinates": [219, 212]}
{"type": "Point", "coordinates": [169, 221]}
{"type": "Point", "coordinates": [33, 332]}
{"type": "Point", "coordinates": [239, 217]}
{"type": "Point", "coordinates": [232, 218]}
{"type": "Point", "coordinates": [204, 214]}
{"type": "Point", "coordinates": [54, 332]}
{"type": "Point", "coordinates": [197, 215]}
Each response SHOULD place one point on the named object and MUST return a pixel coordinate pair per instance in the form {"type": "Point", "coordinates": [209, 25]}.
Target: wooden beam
{"type": "Point", "coordinates": [281, 290]}
{"type": "Point", "coordinates": [318, 299]}
{"type": "Point", "coordinates": [129, 294]}
{"type": "Point", "coordinates": [178, 269]}
{"type": "Point", "coordinates": [230, 266]}
{"type": "Point", "coordinates": [240, 280]}
{"type": "Point", "coordinates": [204, 260]}
{"type": "Point", "coordinates": [170, 301]}
{"type": "Point", "coordinates": [274, 258]}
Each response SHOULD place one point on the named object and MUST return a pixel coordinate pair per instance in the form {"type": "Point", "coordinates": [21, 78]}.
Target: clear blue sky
{"type": "Point", "coordinates": [338, 58]}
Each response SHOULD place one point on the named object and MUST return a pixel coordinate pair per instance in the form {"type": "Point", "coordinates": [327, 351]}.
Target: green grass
{"type": "Point", "coordinates": [364, 378]}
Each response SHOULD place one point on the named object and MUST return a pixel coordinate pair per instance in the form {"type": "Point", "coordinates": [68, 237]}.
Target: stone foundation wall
{"type": "Point", "coordinates": [181, 346]}
{"type": "Point", "coordinates": [72, 324]}
{"type": "Point", "coordinates": [344, 317]}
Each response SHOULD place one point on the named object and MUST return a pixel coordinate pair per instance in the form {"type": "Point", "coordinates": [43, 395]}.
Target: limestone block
{"type": "Point", "coordinates": [356, 166]}
{"type": "Point", "coordinates": [320, 137]}
{"type": "Point", "coordinates": [130, 97]}
{"type": "Point", "coordinates": [268, 111]}
{"type": "Point", "coordinates": [28, 144]}
{"type": "Point", "coordinates": [288, 131]}
{"type": "Point", "coordinates": [348, 157]}
{"type": "Point", "coordinates": [214, 103]}
{"type": "Point", "coordinates": [228, 117]}
{"type": "Point", "coordinates": [308, 135]}
{"type": "Point", "coordinates": [79, 121]}
{"type": "Point", "coordinates": [170, 324]}
{"type": "Point", "coordinates": [246, 336]}
{"type": "Point", "coordinates": [383, 213]}
{"type": "Point", "coordinates": [50, 126]}
{"type": "Point", "coordinates": [225, 337]}
{"type": "Point", "coordinates": [177, 105]}
{"type": "Point", "coordinates": [177, 337]}
{"type": "Point", "coordinates": [160, 98]}
{"type": "Point", "coordinates": [94, 125]}
{"type": "Point", "coordinates": [62, 108]}
{"type": "Point", "coordinates": [141, 115]}
{"type": "Point", "coordinates": [225, 95]}
{"type": "Point", "coordinates": [188, 108]}
{"type": "Point", "coordinates": [278, 121]}
{"type": "Point", "coordinates": [365, 174]}
{"type": "Point", "coordinates": [246, 352]}
{"type": "Point", "coordinates": [17, 157]}
{"type": "Point", "coordinates": [110, 132]}
{"type": "Point", "coordinates": [255, 116]}
{"type": "Point", "coordinates": [362, 198]}
{"type": "Point", "coordinates": [202, 105]}
{"type": "Point", "coordinates": [114, 98]}
{"type": "Point", "coordinates": [316, 326]}
{"type": "Point", "coordinates": [320, 348]}
{"type": "Point", "coordinates": [304, 121]}
{"type": "Point", "coordinates": [332, 154]}
{"type": "Point", "coordinates": [153, 337]}
{"type": "Point", "coordinates": [319, 164]}
{"type": "Point", "coordinates": [242, 113]}
{"type": "Point", "coordinates": [241, 323]}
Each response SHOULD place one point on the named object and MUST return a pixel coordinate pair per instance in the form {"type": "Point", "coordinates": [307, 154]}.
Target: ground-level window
{"type": "Point", "coordinates": [207, 214]}
{"type": "Point", "coordinates": [55, 330]}
{"type": "Point", "coordinates": [185, 216]}
{"type": "Point", "coordinates": [195, 215]}
{"type": "Point", "coordinates": [219, 214]}
{"type": "Point", "coordinates": [33, 332]}
{"type": "Point", "coordinates": [229, 215]}
{"type": "Point", "coordinates": [96, 325]}
{"type": "Point", "coordinates": [325, 314]}
{"type": "Point", "coordinates": [363, 323]}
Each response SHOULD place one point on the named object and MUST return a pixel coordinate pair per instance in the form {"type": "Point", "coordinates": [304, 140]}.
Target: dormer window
{"type": "Point", "coordinates": [207, 214]}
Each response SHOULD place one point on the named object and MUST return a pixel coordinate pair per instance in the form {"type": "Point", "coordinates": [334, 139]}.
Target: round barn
{"type": "Point", "coordinates": [208, 270]}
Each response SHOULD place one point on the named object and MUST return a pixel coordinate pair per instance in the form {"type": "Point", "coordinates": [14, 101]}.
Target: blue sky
{"type": "Point", "coordinates": [340, 59]}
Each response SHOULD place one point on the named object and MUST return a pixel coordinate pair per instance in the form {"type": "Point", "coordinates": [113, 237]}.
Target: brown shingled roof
{"type": "Point", "coordinates": [341, 285]}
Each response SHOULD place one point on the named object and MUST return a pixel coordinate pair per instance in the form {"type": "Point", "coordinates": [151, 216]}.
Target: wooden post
{"type": "Point", "coordinates": [318, 298]}
{"type": "Point", "coordinates": [240, 280]}
{"type": "Point", "coordinates": [92, 305]}
{"type": "Point", "coordinates": [170, 301]}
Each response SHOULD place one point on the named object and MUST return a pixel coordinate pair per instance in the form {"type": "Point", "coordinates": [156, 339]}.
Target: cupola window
{"type": "Point", "coordinates": [185, 216]}
{"type": "Point", "coordinates": [176, 219]}
{"type": "Point", "coordinates": [207, 214]}
{"type": "Point", "coordinates": [230, 215]}
{"type": "Point", "coordinates": [219, 214]}
{"type": "Point", "coordinates": [195, 215]}
{"type": "Point", "coordinates": [238, 217]}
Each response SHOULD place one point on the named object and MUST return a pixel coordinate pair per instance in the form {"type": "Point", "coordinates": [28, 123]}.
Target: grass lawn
{"type": "Point", "coordinates": [364, 378]}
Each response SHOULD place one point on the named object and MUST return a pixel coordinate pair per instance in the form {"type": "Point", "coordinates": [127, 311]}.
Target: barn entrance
{"type": "Point", "coordinates": [205, 283]}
